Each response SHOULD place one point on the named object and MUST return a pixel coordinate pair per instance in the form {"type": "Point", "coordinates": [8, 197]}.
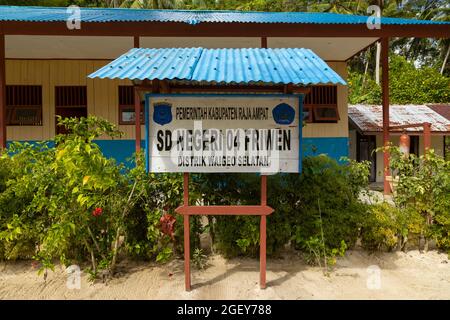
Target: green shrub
{"type": "Point", "coordinates": [63, 200]}
{"type": "Point", "coordinates": [232, 235]}
{"type": "Point", "coordinates": [328, 200]}
{"type": "Point", "coordinates": [70, 203]}
{"type": "Point", "coordinates": [316, 252]}
{"type": "Point", "coordinates": [422, 205]}
{"type": "Point", "coordinates": [296, 200]}
{"type": "Point", "coordinates": [380, 229]}
{"type": "Point", "coordinates": [5, 172]}
{"type": "Point", "coordinates": [422, 196]}
{"type": "Point", "coordinates": [20, 227]}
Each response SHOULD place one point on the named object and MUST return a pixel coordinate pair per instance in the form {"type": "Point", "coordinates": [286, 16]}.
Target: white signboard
{"type": "Point", "coordinates": [223, 133]}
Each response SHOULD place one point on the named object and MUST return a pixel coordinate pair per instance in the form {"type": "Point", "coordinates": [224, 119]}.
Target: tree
{"type": "Point", "coordinates": [407, 84]}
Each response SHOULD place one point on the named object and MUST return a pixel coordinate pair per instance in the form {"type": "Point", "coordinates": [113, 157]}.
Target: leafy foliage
{"type": "Point", "coordinates": [363, 90]}
{"type": "Point", "coordinates": [199, 259]}
{"type": "Point", "coordinates": [297, 218]}
{"type": "Point", "coordinates": [422, 205]}
{"type": "Point", "coordinates": [424, 189]}
{"type": "Point", "coordinates": [408, 84]}
{"type": "Point", "coordinates": [386, 227]}
{"type": "Point", "coordinates": [64, 200]}
{"type": "Point", "coordinates": [328, 202]}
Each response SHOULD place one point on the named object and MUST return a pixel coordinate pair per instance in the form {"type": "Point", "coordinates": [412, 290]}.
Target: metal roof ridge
{"type": "Point", "coordinates": [209, 11]}
{"type": "Point", "coordinates": [185, 10]}
{"type": "Point", "coordinates": [194, 66]}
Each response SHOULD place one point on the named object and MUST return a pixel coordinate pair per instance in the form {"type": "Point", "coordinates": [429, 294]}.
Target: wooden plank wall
{"type": "Point", "coordinates": [103, 96]}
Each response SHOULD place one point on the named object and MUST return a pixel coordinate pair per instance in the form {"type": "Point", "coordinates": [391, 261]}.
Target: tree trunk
{"type": "Point", "coordinates": [379, 3]}
{"type": "Point", "coordinates": [445, 59]}
{"type": "Point", "coordinates": [377, 63]}
{"type": "Point", "coordinates": [366, 69]}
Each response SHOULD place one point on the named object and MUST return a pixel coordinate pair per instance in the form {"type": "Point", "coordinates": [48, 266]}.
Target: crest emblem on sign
{"type": "Point", "coordinates": [162, 113]}
{"type": "Point", "coordinates": [283, 114]}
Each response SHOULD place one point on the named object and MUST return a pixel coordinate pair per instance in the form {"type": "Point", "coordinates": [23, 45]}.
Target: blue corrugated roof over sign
{"type": "Point", "coordinates": [223, 66]}
{"type": "Point", "coordinates": [49, 14]}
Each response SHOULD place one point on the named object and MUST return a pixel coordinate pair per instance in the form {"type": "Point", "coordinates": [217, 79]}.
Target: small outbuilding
{"type": "Point", "coordinates": [366, 131]}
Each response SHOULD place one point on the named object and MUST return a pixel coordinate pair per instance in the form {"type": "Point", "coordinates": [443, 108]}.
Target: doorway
{"type": "Point", "coordinates": [414, 145]}
{"type": "Point", "coordinates": [70, 102]}
{"type": "Point", "coordinates": [365, 151]}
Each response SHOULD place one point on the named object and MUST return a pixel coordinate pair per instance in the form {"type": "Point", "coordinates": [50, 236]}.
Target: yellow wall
{"type": "Point", "coordinates": [103, 96]}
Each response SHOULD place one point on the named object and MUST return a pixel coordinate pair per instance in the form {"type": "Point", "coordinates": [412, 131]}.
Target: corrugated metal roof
{"type": "Point", "coordinates": [225, 66]}
{"type": "Point", "coordinates": [140, 63]}
{"type": "Point", "coordinates": [12, 13]}
{"type": "Point", "coordinates": [368, 118]}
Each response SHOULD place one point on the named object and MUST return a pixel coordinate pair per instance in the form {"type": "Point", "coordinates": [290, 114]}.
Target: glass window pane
{"type": "Point", "coordinates": [128, 116]}
{"type": "Point", "coordinates": [324, 112]}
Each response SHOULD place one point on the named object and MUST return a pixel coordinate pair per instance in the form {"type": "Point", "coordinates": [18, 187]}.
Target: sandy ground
{"type": "Point", "coordinates": [409, 275]}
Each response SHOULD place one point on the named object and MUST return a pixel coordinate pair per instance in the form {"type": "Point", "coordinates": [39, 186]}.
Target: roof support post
{"type": "Point", "coordinates": [263, 235]}
{"type": "Point", "coordinates": [137, 107]}
{"type": "Point", "coordinates": [385, 104]}
{"type": "Point", "coordinates": [137, 118]}
{"type": "Point", "coordinates": [2, 93]}
{"type": "Point", "coordinates": [187, 228]}
{"type": "Point", "coordinates": [264, 42]}
{"type": "Point", "coordinates": [263, 221]}
{"type": "Point", "coordinates": [427, 136]}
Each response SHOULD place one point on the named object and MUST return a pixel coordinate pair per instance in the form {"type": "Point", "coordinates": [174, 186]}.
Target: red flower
{"type": "Point", "coordinates": [167, 224]}
{"type": "Point", "coordinates": [97, 212]}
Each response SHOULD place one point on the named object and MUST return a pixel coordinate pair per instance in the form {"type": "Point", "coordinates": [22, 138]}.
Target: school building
{"type": "Point", "coordinates": [48, 57]}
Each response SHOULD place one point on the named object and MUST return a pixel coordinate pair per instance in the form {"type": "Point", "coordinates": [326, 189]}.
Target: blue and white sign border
{"type": "Point", "coordinates": [150, 96]}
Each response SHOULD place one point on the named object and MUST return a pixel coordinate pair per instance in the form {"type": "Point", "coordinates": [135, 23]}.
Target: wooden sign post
{"type": "Point", "coordinates": [262, 210]}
